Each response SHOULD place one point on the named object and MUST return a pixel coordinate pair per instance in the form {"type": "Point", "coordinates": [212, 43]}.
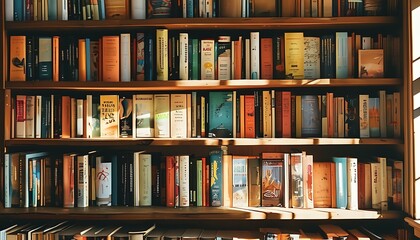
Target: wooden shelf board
{"type": "Point", "coordinates": [200, 142]}
{"type": "Point", "coordinates": [415, 224]}
{"type": "Point", "coordinates": [189, 85]}
{"type": "Point", "coordinates": [295, 23]}
{"type": "Point", "coordinates": [132, 213]}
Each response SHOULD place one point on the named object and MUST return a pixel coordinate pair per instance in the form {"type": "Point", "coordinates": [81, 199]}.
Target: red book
{"type": "Point", "coordinates": [204, 182]}
{"type": "Point", "coordinates": [266, 58]}
{"type": "Point", "coordinates": [238, 59]}
{"type": "Point", "coordinates": [249, 116]}
{"type": "Point", "coordinates": [278, 113]}
{"type": "Point", "coordinates": [330, 114]}
{"type": "Point", "coordinates": [170, 181]}
{"type": "Point", "coordinates": [286, 100]}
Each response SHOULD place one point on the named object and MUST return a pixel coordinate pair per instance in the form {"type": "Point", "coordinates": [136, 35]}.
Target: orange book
{"type": "Point", "coordinates": [56, 58]}
{"type": "Point", "coordinates": [65, 117]}
{"type": "Point", "coordinates": [82, 60]}
{"type": "Point", "coordinates": [322, 184]}
{"type": "Point", "coordinates": [117, 9]}
{"type": "Point", "coordinates": [68, 180]}
{"type": "Point", "coordinates": [227, 162]}
{"type": "Point", "coordinates": [237, 74]}
{"type": "Point", "coordinates": [249, 116]}
{"type": "Point", "coordinates": [330, 114]}
{"type": "Point", "coordinates": [286, 116]}
{"type": "Point", "coordinates": [17, 63]}
{"type": "Point", "coordinates": [170, 181]}
{"type": "Point", "coordinates": [266, 58]}
{"type": "Point", "coordinates": [110, 58]}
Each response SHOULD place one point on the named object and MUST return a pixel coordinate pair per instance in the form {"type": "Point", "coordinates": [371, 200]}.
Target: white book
{"type": "Point", "coordinates": [255, 55]}
{"type": "Point", "coordinates": [184, 9]}
{"type": "Point", "coordinates": [161, 107]}
{"type": "Point", "coordinates": [83, 180]}
{"type": "Point", "coordinates": [383, 183]}
{"type": "Point", "coordinates": [88, 115]}
{"type": "Point", "coordinates": [183, 56]}
{"type": "Point", "coordinates": [224, 46]}
{"type": "Point", "coordinates": [202, 8]}
{"type": "Point", "coordinates": [145, 184]}
{"type": "Point", "coordinates": [125, 65]}
{"type": "Point", "coordinates": [103, 185]}
{"type": "Point", "coordinates": [364, 115]}
{"type": "Point", "coordinates": [136, 178]}
{"type": "Point", "coordinates": [207, 60]}
{"type": "Point", "coordinates": [143, 116]}
{"type": "Point", "coordinates": [162, 54]}
{"type": "Point", "coordinates": [308, 188]}
{"type": "Point", "coordinates": [184, 181]}
{"type": "Point", "coordinates": [178, 117]}
{"type": "Point", "coordinates": [352, 183]}
{"type": "Point", "coordinates": [30, 117]}
{"type": "Point", "coordinates": [20, 116]}
{"type": "Point", "coordinates": [247, 58]}
{"type": "Point", "coordinates": [273, 113]}
{"type": "Point", "coordinates": [138, 9]}
{"type": "Point", "coordinates": [376, 185]}
{"type": "Point", "coordinates": [366, 43]}
{"type": "Point", "coordinates": [38, 109]}
{"type": "Point", "coordinates": [9, 10]}
{"type": "Point", "coordinates": [79, 117]}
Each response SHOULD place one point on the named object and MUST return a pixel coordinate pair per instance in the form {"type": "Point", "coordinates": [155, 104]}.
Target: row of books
{"type": "Point", "coordinates": [37, 10]}
{"type": "Point", "coordinates": [273, 179]}
{"type": "Point", "coordinates": [160, 55]}
{"type": "Point", "coordinates": [214, 114]}
{"type": "Point", "coordinates": [68, 230]}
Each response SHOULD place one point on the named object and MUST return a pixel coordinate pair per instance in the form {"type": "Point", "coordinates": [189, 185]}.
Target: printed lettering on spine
{"type": "Point", "coordinates": [109, 116]}
{"type": "Point", "coordinates": [216, 198]}
{"type": "Point", "coordinates": [17, 62]}
{"type": "Point", "coordinates": [220, 114]}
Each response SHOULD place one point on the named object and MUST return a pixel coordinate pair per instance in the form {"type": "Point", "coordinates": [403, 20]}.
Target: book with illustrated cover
{"type": "Point", "coordinates": [109, 122]}
{"type": "Point", "coordinates": [220, 114]}
{"type": "Point", "coordinates": [125, 110]}
{"type": "Point", "coordinates": [17, 58]}
{"type": "Point", "coordinates": [216, 188]}
{"type": "Point", "coordinates": [117, 9]}
{"type": "Point", "coordinates": [240, 181]}
{"type": "Point", "coordinates": [371, 63]}
{"type": "Point", "coordinates": [272, 175]}
{"type": "Point", "coordinates": [312, 57]}
{"type": "Point", "coordinates": [159, 8]}
{"type": "Point", "coordinates": [143, 115]}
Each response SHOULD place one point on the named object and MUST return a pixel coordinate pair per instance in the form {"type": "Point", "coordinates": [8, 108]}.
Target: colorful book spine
{"type": "Point", "coordinates": [294, 55]}
{"type": "Point", "coordinates": [220, 114]}
{"type": "Point", "coordinates": [215, 162]}
{"type": "Point", "coordinates": [207, 59]}
{"type": "Point", "coordinates": [341, 181]}
{"type": "Point", "coordinates": [143, 115]}
{"type": "Point", "coordinates": [364, 115]}
{"type": "Point", "coordinates": [224, 58]}
{"type": "Point", "coordinates": [296, 177]}
{"type": "Point", "coordinates": [240, 181]}
{"type": "Point", "coordinates": [109, 122]}
{"type": "Point", "coordinates": [352, 184]}
{"type": "Point", "coordinates": [184, 186]}
{"type": "Point", "coordinates": [162, 68]}
{"type": "Point", "coordinates": [17, 58]}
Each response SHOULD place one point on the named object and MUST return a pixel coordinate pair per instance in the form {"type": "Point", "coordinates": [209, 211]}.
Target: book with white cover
{"type": "Point", "coordinates": [161, 107]}
{"type": "Point", "coordinates": [143, 122]}
{"type": "Point", "coordinates": [183, 56]}
{"type": "Point", "coordinates": [162, 54]}
{"type": "Point", "coordinates": [184, 176]}
{"type": "Point", "coordinates": [125, 58]}
{"type": "Point", "coordinates": [83, 180]}
{"type": "Point", "coordinates": [352, 184]}
{"type": "Point", "coordinates": [255, 55]}
{"type": "Point", "coordinates": [178, 116]}
{"type": "Point", "coordinates": [207, 60]}
{"type": "Point", "coordinates": [138, 9]}
{"type": "Point", "coordinates": [103, 183]}
{"type": "Point", "coordinates": [145, 183]}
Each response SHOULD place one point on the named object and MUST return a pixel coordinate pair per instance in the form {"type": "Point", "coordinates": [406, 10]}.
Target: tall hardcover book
{"type": "Point", "coordinates": [324, 176]}
{"type": "Point", "coordinates": [125, 57]}
{"type": "Point", "coordinates": [158, 9]}
{"type": "Point", "coordinates": [184, 175]}
{"type": "Point", "coordinates": [279, 62]}
{"type": "Point", "coordinates": [140, 56]}
{"type": "Point", "coordinates": [110, 58]}
{"type": "Point", "coordinates": [125, 116]}
{"type": "Point", "coordinates": [296, 178]}
{"type": "Point", "coordinates": [170, 180]}
{"type": "Point", "coordinates": [83, 180]}
{"type": "Point", "coordinates": [109, 122]}
{"type": "Point", "coordinates": [240, 181]}
{"type": "Point", "coordinates": [220, 114]}
{"type": "Point", "coordinates": [216, 188]}
{"type": "Point", "coordinates": [183, 56]}
{"type": "Point", "coordinates": [224, 58]}
{"type": "Point", "coordinates": [45, 58]}
{"type": "Point", "coordinates": [364, 115]}
{"type": "Point", "coordinates": [145, 184]}
{"type": "Point", "coordinates": [341, 51]}
{"type": "Point", "coordinates": [17, 59]}
{"type": "Point", "coordinates": [341, 181]}
{"type": "Point", "coordinates": [103, 181]}
{"type": "Point", "coordinates": [162, 68]}
{"type": "Point", "coordinates": [20, 116]}
{"type": "Point", "coordinates": [143, 116]}
{"type": "Point", "coordinates": [178, 118]}
{"type": "Point", "coordinates": [266, 58]}
{"type": "Point", "coordinates": [311, 121]}
{"type": "Point", "coordinates": [117, 9]}
{"type": "Point", "coordinates": [255, 55]}
{"type": "Point", "coordinates": [207, 59]}
{"type": "Point", "coordinates": [138, 9]}
{"type": "Point", "coordinates": [161, 109]}
{"type": "Point", "coordinates": [352, 184]}
{"type": "Point", "coordinates": [294, 55]}
{"type": "Point", "coordinates": [312, 57]}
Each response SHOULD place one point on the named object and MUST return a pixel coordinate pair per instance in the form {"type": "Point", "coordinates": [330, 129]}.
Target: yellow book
{"type": "Point", "coordinates": [17, 58]}
{"type": "Point", "coordinates": [110, 58]}
{"type": "Point", "coordinates": [294, 55]}
{"type": "Point", "coordinates": [109, 116]}
{"type": "Point", "coordinates": [162, 68]}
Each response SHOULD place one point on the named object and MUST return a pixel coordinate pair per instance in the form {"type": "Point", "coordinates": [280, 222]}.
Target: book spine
{"type": "Point", "coordinates": [376, 185]}
{"type": "Point", "coordinates": [162, 67]}
{"type": "Point", "coordinates": [82, 181]}
{"type": "Point", "coordinates": [296, 174]}
{"type": "Point", "coordinates": [138, 9]}
{"type": "Point", "coordinates": [17, 58]}
{"type": "Point", "coordinates": [207, 59]}
{"type": "Point", "coordinates": [341, 55]}
{"type": "Point", "coordinates": [341, 181]}
{"type": "Point", "coordinates": [143, 116]}
{"type": "Point", "coordinates": [266, 114]}
{"type": "Point", "coordinates": [145, 194]}
{"type": "Point", "coordinates": [125, 58]}
{"type": "Point", "coordinates": [199, 182]}
{"type": "Point", "coordinates": [30, 117]}
{"type": "Point", "coordinates": [184, 186]}
{"type": "Point", "coordinates": [240, 181]}
{"type": "Point", "coordinates": [20, 116]}
{"type": "Point", "coordinates": [255, 55]}
{"type": "Point", "coordinates": [215, 161]}
{"type": "Point", "coordinates": [224, 58]}
{"type": "Point", "coordinates": [183, 56]}
{"type": "Point", "coordinates": [364, 115]}
{"type": "Point", "coordinates": [7, 181]}
{"type": "Point", "coordinates": [162, 115]}
{"type": "Point", "coordinates": [267, 58]}
{"type": "Point", "coordinates": [170, 181]}
{"type": "Point", "coordinates": [103, 181]}
{"type": "Point", "coordinates": [352, 184]}
{"type": "Point", "coordinates": [294, 55]}
{"type": "Point", "coordinates": [383, 183]}
{"type": "Point", "coordinates": [308, 187]}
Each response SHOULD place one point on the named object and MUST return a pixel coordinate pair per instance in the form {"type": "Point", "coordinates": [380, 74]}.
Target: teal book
{"type": "Point", "coordinates": [220, 114]}
{"type": "Point", "coordinates": [311, 120]}
{"type": "Point", "coordinates": [341, 52]}
{"type": "Point", "coordinates": [88, 60]}
{"type": "Point", "coordinates": [341, 181]}
{"type": "Point", "coordinates": [216, 188]}
{"type": "Point", "coordinates": [195, 60]}
{"type": "Point", "coordinates": [45, 58]}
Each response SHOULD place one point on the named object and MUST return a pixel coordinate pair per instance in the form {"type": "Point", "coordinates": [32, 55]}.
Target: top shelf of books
{"type": "Point", "coordinates": [285, 23]}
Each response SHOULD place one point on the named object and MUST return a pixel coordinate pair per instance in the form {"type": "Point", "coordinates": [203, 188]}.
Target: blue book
{"type": "Point", "coordinates": [190, 8]}
{"type": "Point", "coordinates": [52, 10]}
{"type": "Point", "coordinates": [311, 120]}
{"type": "Point", "coordinates": [216, 188]}
{"type": "Point", "coordinates": [88, 71]}
{"type": "Point", "coordinates": [341, 51]}
{"type": "Point", "coordinates": [18, 10]}
{"type": "Point", "coordinates": [149, 64]}
{"type": "Point", "coordinates": [7, 185]}
{"type": "Point", "coordinates": [220, 114]}
{"type": "Point", "coordinates": [341, 181]}
{"type": "Point", "coordinates": [101, 6]}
